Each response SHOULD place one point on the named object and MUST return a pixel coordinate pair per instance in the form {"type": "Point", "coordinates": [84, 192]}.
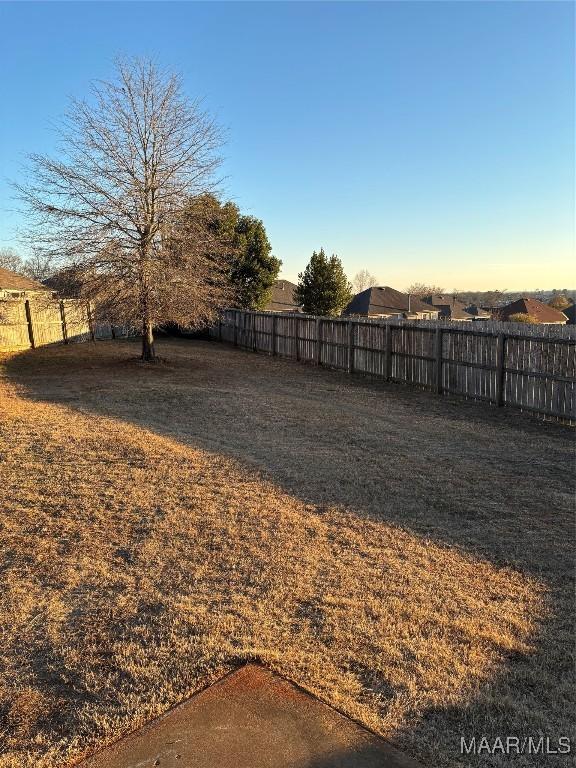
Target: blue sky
{"type": "Point", "coordinates": [424, 141]}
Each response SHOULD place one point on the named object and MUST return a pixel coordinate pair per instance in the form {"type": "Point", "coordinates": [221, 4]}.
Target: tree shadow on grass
{"type": "Point", "coordinates": [440, 467]}
{"type": "Point", "coordinates": [494, 484]}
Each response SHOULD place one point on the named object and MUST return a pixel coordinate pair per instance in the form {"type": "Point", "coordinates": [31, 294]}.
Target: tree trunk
{"type": "Point", "coordinates": [148, 353]}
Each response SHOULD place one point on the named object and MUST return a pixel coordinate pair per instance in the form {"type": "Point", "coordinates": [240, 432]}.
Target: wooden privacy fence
{"type": "Point", "coordinates": [31, 323]}
{"type": "Point", "coordinates": [535, 373]}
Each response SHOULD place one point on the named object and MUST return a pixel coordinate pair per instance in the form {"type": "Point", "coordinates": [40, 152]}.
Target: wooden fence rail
{"type": "Point", "coordinates": [535, 373]}
{"type": "Point", "coordinates": [27, 324]}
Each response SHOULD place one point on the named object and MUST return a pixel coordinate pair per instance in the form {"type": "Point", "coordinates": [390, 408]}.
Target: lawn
{"type": "Point", "coordinates": [407, 558]}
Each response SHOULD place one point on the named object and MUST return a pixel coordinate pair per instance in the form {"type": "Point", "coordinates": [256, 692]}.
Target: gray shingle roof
{"type": "Point", "coordinates": [449, 307]}
{"type": "Point", "coordinates": [282, 299]}
{"type": "Point", "coordinates": [384, 300]}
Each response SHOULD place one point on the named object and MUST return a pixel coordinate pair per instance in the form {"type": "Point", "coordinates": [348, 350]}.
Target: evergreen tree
{"type": "Point", "coordinates": [323, 288]}
{"type": "Point", "coordinates": [254, 269]}
{"type": "Point", "coordinates": [241, 242]}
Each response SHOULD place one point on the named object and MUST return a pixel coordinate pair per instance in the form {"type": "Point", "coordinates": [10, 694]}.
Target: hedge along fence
{"type": "Point", "coordinates": [31, 323]}
{"type": "Point", "coordinates": [511, 367]}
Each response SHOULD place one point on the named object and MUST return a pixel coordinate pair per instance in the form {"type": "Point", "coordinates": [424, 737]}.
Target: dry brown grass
{"type": "Point", "coordinates": [406, 558]}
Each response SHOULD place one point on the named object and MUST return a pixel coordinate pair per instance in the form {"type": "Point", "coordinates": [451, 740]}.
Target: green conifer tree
{"type": "Point", "coordinates": [254, 269]}
{"type": "Point", "coordinates": [323, 288]}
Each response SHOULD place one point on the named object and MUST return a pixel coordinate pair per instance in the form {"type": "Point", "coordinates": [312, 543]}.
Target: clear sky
{"type": "Point", "coordinates": [424, 141]}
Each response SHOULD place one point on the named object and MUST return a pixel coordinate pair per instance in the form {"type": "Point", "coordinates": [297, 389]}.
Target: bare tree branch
{"type": "Point", "coordinates": [109, 207]}
{"type": "Point", "coordinates": [362, 280]}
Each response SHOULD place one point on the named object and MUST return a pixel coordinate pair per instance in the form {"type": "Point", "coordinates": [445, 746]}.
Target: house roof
{"type": "Point", "coordinates": [12, 281]}
{"type": "Point", "coordinates": [282, 298]}
{"type": "Point", "coordinates": [477, 311]}
{"type": "Point", "coordinates": [384, 300]}
{"type": "Point", "coordinates": [449, 306]}
{"type": "Point", "coordinates": [526, 306]}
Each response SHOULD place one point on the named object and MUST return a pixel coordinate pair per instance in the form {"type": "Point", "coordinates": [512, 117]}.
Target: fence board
{"type": "Point", "coordinates": [13, 325]}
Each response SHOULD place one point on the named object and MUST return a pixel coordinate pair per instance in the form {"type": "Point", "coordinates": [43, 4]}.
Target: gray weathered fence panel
{"type": "Point", "coordinates": [502, 363]}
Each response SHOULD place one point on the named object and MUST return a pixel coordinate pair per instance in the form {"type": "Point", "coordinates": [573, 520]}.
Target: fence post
{"type": "Point", "coordinates": [30, 324]}
{"type": "Point", "coordinates": [220, 327]}
{"type": "Point", "coordinates": [274, 319]}
{"type": "Point", "coordinates": [388, 369]}
{"type": "Point", "coordinates": [318, 340]}
{"type": "Point", "coordinates": [63, 321]}
{"type": "Point", "coordinates": [500, 370]}
{"type": "Point", "coordinates": [236, 313]}
{"type": "Point", "coordinates": [350, 346]}
{"type": "Point", "coordinates": [438, 377]}
{"type": "Point", "coordinates": [90, 321]}
{"type": "Point", "coordinates": [297, 337]}
{"type": "Point", "coordinates": [254, 338]}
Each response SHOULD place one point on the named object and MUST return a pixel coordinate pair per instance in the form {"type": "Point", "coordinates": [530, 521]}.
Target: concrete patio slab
{"type": "Point", "coordinates": [251, 718]}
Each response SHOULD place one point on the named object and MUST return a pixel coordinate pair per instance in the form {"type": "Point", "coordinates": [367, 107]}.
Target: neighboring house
{"type": "Point", "coordinates": [478, 313]}
{"type": "Point", "coordinates": [282, 299]}
{"type": "Point", "coordinates": [542, 313]}
{"type": "Point", "coordinates": [387, 302]}
{"type": "Point", "coordinates": [449, 307]}
{"type": "Point", "coordinates": [493, 309]}
{"type": "Point", "coordinates": [15, 286]}
{"type": "Point", "coordinates": [570, 313]}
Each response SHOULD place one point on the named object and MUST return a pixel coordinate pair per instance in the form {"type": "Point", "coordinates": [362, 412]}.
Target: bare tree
{"type": "Point", "coordinates": [10, 259]}
{"type": "Point", "coordinates": [38, 267]}
{"type": "Point", "coordinates": [110, 206]}
{"type": "Point", "coordinates": [362, 280]}
{"type": "Point", "coordinates": [420, 289]}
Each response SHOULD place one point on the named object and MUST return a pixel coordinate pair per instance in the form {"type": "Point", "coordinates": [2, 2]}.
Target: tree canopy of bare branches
{"type": "Point", "coordinates": [36, 266]}
{"type": "Point", "coordinates": [10, 259]}
{"type": "Point", "coordinates": [110, 206]}
{"type": "Point", "coordinates": [362, 280]}
{"type": "Point", "coordinates": [421, 289]}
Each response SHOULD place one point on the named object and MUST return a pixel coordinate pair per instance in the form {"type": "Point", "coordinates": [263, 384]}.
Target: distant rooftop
{"type": "Point", "coordinates": [527, 306]}
{"type": "Point", "coordinates": [12, 281]}
{"type": "Point", "coordinates": [282, 299]}
{"type": "Point", "coordinates": [383, 300]}
{"type": "Point", "coordinates": [449, 306]}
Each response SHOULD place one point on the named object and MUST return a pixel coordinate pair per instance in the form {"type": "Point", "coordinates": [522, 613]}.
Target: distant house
{"type": "Point", "coordinates": [542, 313]}
{"type": "Point", "coordinates": [387, 302]}
{"type": "Point", "coordinates": [449, 307]}
{"type": "Point", "coordinates": [15, 286]}
{"type": "Point", "coordinates": [282, 299]}
{"type": "Point", "coordinates": [478, 313]}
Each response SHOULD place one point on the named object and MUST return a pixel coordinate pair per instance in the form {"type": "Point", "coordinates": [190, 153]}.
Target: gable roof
{"type": "Point", "coordinates": [449, 306]}
{"type": "Point", "coordinates": [542, 312]}
{"type": "Point", "coordinates": [12, 281]}
{"type": "Point", "coordinates": [282, 298]}
{"type": "Point", "coordinates": [385, 300]}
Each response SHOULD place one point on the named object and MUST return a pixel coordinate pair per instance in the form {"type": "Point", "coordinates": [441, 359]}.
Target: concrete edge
{"type": "Point", "coordinates": [408, 760]}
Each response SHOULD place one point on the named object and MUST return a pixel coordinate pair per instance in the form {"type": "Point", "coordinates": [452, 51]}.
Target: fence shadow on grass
{"type": "Point", "coordinates": [494, 485]}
